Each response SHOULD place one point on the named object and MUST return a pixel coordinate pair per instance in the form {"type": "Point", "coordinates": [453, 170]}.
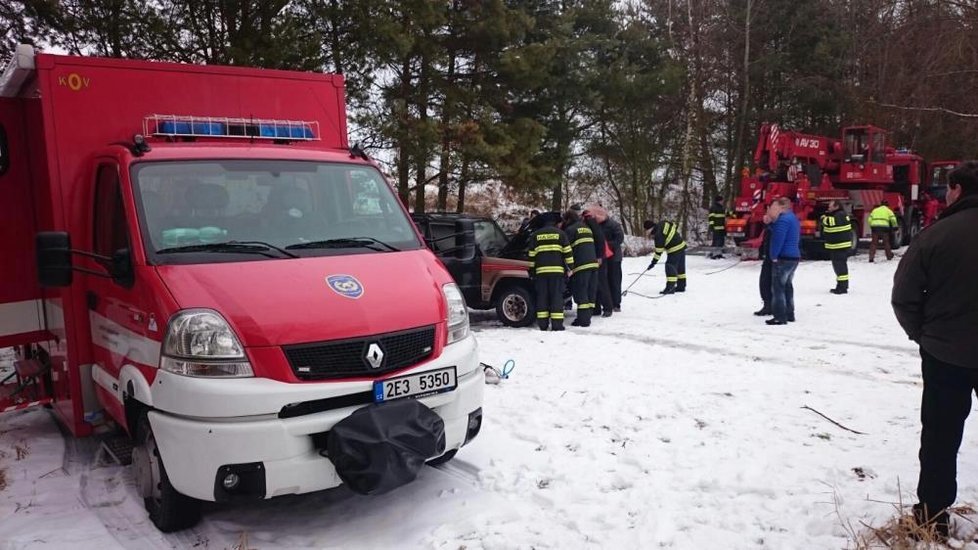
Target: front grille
{"type": "Point", "coordinates": [348, 358]}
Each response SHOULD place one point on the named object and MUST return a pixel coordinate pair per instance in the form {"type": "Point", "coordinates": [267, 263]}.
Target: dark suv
{"type": "Point", "coordinates": [490, 269]}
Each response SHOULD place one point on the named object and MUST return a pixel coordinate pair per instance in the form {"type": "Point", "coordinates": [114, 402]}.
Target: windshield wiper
{"type": "Point", "coordinates": [347, 242]}
{"type": "Point", "coordinates": [240, 247]}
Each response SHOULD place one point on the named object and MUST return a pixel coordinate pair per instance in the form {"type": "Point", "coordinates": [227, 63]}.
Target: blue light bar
{"type": "Point", "coordinates": [192, 126]}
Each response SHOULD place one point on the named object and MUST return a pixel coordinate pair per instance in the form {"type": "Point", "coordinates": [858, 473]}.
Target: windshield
{"type": "Point", "coordinates": [203, 211]}
{"type": "Point", "coordinates": [490, 238]}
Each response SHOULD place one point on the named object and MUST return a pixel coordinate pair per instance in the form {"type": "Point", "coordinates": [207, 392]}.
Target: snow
{"type": "Point", "coordinates": [677, 423]}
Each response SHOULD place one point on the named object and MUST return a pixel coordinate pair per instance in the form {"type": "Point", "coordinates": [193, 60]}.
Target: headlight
{"type": "Point", "coordinates": [458, 314]}
{"type": "Point", "coordinates": [199, 342]}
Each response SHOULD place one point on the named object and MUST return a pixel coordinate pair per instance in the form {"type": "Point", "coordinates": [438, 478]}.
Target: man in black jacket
{"type": "Point", "coordinates": [616, 237]}
{"type": "Point", "coordinates": [764, 281]}
{"type": "Point", "coordinates": [550, 258]}
{"type": "Point", "coordinates": [935, 299]}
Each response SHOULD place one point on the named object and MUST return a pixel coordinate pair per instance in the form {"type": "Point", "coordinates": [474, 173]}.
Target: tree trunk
{"type": "Point", "coordinates": [447, 112]}
{"type": "Point", "coordinates": [463, 179]}
{"type": "Point", "coordinates": [402, 117]}
{"type": "Point", "coordinates": [421, 150]}
{"type": "Point", "coordinates": [738, 153]}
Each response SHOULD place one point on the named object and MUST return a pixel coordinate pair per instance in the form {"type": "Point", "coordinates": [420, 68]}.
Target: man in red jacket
{"type": "Point", "coordinates": [935, 299]}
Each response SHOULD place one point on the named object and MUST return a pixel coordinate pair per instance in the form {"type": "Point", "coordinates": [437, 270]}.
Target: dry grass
{"type": "Point", "coordinates": [242, 543]}
{"type": "Point", "coordinates": [901, 532]}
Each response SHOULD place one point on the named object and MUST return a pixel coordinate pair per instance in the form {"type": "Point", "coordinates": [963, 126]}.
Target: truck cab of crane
{"type": "Point", "coordinates": [864, 156]}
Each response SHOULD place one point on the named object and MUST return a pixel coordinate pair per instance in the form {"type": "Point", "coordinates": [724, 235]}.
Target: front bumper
{"type": "Point", "coordinates": [196, 449]}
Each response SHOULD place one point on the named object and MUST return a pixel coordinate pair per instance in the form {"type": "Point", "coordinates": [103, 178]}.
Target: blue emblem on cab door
{"type": "Point", "coordinates": [345, 285]}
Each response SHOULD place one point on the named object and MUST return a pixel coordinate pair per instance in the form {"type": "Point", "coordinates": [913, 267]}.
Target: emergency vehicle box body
{"type": "Point", "coordinates": [223, 155]}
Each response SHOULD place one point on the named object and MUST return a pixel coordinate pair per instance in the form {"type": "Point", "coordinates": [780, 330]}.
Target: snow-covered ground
{"type": "Point", "coordinates": [677, 423]}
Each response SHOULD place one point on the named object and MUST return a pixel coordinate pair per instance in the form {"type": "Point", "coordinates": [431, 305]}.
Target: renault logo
{"type": "Point", "coordinates": [375, 355]}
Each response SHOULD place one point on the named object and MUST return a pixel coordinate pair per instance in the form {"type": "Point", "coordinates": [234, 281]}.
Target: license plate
{"type": "Point", "coordinates": [417, 385]}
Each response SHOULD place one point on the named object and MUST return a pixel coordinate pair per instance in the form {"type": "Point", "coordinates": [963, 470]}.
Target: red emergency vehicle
{"type": "Point", "coordinates": [859, 171]}
{"type": "Point", "coordinates": [195, 255]}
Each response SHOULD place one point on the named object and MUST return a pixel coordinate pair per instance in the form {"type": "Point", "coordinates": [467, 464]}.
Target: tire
{"type": "Point", "coordinates": [915, 230]}
{"type": "Point", "coordinates": [514, 306]}
{"type": "Point", "coordinates": [898, 235]}
{"type": "Point", "coordinates": [168, 509]}
{"type": "Point", "coordinates": [443, 458]}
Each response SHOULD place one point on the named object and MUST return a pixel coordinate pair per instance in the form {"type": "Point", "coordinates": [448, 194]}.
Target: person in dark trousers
{"type": "Point", "coordinates": [668, 241]}
{"type": "Point", "coordinates": [615, 237]}
{"type": "Point", "coordinates": [717, 220]}
{"type": "Point", "coordinates": [584, 275]}
{"type": "Point", "coordinates": [764, 281]}
{"type": "Point", "coordinates": [935, 299]}
{"type": "Point", "coordinates": [600, 295]}
{"type": "Point", "coordinates": [550, 258]}
{"type": "Point", "coordinates": [785, 255]}
{"type": "Point", "coordinates": [882, 222]}
{"type": "Point", "coordinates": [836, 228]}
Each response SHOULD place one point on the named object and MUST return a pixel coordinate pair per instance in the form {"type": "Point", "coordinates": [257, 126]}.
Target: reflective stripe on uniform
{"type": "Point", "coordinates": [585, 267]}
{"type": "Point", "coordinates": [677, 248]}
{"type": "Point", "coordinates": [837, 229]}
{"type": "Point", "coordinates": [837, 246]}
{"type": "Point", "coordinates": [682, 275]}
{"type": "Point", "coordinates": [582, 240]}
{"type": "Point", "coordinates": [549, 269]}
{"type": "Point", "coordinates": [557, 316]}
{"type": "Point", "coordinates": [672, 279]}
{"type": "Point", "coordinates": [842, 278]}
{"type": "Point", "coordinates": [547, 248]}
{"type": "Point", "coordinates": [543, 315]}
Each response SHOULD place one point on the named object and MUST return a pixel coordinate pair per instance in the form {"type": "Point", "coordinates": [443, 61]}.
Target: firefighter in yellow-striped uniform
{"type": "Point", "coordinates": [550, 258]}
{"type": "Point", "coordinates": [836, 228]}
{"type": "Point", "coordinates": [668, 241]}
{"type": "Point", "coordinates": [717, 220]}
{"type": "Point", "coordinates": [584, 275]}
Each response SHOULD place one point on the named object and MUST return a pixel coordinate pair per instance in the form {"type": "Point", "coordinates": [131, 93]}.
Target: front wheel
{"type": "Point", "coordinates": [169, 510]}
{"type": "Point", "coordinates": [443, 458]}
{"type": "Point", "coordinates": [514, 306]}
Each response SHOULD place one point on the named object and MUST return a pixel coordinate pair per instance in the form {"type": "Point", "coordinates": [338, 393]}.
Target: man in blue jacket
{"type": "Point", "coordinates": [785, 254]}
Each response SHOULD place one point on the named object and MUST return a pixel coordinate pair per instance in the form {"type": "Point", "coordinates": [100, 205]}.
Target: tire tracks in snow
{"type": "Point", "coordinates": [109, 493]}
{"type": "Point", "coordinates": [755, 357]}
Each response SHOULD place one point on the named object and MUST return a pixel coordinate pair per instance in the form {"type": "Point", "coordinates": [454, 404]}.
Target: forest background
{"type": "Point", "coordinates": [648, 107]}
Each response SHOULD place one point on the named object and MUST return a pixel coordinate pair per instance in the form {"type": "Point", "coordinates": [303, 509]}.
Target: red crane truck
{"type": "Point", "coordinates": [195, 255]}
{"type": "Point", "coordinates": [859, 170]}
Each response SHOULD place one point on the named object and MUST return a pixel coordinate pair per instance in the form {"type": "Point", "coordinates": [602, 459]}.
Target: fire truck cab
{"type": "Point", "coordinates": [196, 256]}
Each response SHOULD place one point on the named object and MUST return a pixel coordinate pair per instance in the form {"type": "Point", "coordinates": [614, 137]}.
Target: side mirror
{"type": "Point", "coordinates": [121, 267]}
{"type": "Point", "coordinates": [465, 240]}
{"type": "Point", "coordinates": [53, 258]}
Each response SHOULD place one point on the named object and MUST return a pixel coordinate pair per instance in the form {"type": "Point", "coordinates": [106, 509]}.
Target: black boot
{"type": "Point", "coordinates": [556, 325]}
{"type": "Point", "coordinates": [544, 324]}
{"type": "Point", "coordinates": [937, 524]}
{"type": "Point", "coordinates": [681, 286]}
{"type": "Point", "coordinates": [585, 318]}
{"type": "Point", "coordinates": [670, 289]}
{"type": "Point", "coordinates": [764, 311]}
{"type": "Point", "coordinates": [839, 290]}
